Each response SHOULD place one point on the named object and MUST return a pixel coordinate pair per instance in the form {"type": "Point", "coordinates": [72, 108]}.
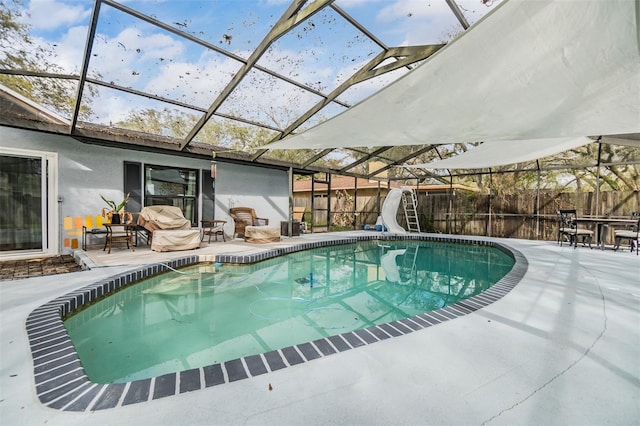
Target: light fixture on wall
{"type": "Point", "coordinates": [214, 165]}
{"type": "Point", "coordinates": [214, 154]}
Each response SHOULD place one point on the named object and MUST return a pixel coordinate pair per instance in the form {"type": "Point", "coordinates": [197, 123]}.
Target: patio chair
{"type": "Point", "coordinates": [169, 229]}
{"type": "Point", "coordinates": [298, 215]}
{"type": "Point", "coordinates": [567, 227]}
{"type": "Point", "coordinates": [162, 217]}
{"type": "Point", "coordinates": [243, 217]}
{"type": "Point", "coordinates": [632, 234]}
{"type": "Point", "coordinates": [140, 233]}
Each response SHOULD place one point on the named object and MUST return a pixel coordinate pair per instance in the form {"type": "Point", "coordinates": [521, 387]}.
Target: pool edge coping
{"type": "Point", "coordinates": [61, 382]}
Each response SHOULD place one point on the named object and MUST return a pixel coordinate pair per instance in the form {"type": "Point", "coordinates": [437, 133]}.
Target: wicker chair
{"type": "Point", "coordinates": [243, 217]}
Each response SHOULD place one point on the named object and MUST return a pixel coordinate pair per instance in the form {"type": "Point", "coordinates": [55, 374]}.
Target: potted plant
{"type": "Point", "coordinates": [116, 209]}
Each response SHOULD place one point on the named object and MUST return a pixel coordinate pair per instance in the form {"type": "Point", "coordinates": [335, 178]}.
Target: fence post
{"type": "Point", "coordinates": [538, 202]}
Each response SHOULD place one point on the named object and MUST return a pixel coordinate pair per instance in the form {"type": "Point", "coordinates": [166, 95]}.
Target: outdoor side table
{"type": "Point", "coordinates": [88, 233]}
{"type": "Point", "coordinates": [119, 233]}
{"type": "Point", "coordinates": [213, 227]}
{"type": "Point", "coordinates": [295, 228]}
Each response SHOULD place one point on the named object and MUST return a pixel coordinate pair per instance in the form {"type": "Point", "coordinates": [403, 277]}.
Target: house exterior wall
{"type": "Point", "coordinates": [266, 190]}
{"type": "Point", "coordinates": [85, 171]}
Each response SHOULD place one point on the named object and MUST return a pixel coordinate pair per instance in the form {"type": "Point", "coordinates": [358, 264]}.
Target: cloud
{"type": "Point", "coordinates": [277, 2]}
{"type": "Point", "coordinates": [196, 83]}
{"type": "Point", "coordinates": [47, 15]}
{"type": "Point", "coordinates": [70, 49]}
{"type": "Point", "coordinates": [350, 4]}
{"type": "Point", "coordinates": [132, 56]}
{"type": "Point", "coordinates": [362, 90]}
{"type": "Point", "coordinates": [427, 22]}
{"type": "Point", "coordinates": [148, 59]}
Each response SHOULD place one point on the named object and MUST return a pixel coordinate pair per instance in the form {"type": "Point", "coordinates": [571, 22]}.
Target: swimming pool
{"type": "Point", "coordinates": [62, 383]}
{"type": "Point", "coordinates": [203, 314]}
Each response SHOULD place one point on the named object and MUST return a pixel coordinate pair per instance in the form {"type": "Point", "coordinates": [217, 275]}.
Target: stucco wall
{"type": "Point", "coordinates": [85, 171]}
{"type": "Point", "coordinates": [266, 190]}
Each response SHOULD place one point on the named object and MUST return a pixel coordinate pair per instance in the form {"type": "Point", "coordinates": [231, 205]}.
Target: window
{"type": "Point", "coordinates": [172, 187]}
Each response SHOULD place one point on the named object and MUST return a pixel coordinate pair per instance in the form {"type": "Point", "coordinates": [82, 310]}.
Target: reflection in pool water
{"type": "Point", "coordinates": [205, 314]}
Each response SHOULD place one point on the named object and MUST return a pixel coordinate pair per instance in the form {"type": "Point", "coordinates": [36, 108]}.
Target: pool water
{"type": "Point", "coordinates": [206, 314]}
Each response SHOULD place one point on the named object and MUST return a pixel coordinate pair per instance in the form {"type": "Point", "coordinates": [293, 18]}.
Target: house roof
{"type": "Point", "coordinates": [348, 183]}
{"type": "Point", "coordinates": [342, 183]}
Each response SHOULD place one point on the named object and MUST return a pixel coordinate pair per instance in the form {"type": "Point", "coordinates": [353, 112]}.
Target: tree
{"type": "Point", "coordinates": [220, 133]}
{"type": "Point", "coordinates": [18, 52]}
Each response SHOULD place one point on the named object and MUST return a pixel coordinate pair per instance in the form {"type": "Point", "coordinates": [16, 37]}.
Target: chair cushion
{"type": "Point", "coordinates": [626, 234]}
{"type": "Point", "coordinates": [579, 231]}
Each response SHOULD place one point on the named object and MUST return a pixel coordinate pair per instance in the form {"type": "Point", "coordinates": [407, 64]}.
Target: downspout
{"type": "Point", "coordinates": [538, 201]}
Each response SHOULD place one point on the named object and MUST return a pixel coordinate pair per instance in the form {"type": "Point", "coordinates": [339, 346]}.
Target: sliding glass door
{"type": "Point", "coordinates": [25, 191]}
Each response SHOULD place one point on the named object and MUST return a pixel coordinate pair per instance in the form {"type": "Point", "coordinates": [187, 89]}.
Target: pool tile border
{"type": "Point", "coordinates": [61, 382]}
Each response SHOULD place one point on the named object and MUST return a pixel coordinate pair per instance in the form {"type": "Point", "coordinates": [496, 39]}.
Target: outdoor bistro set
{"type": "Point", "coordinates": [588, 229]}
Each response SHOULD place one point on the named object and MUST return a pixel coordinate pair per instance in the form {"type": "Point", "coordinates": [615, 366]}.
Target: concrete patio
{"type": "Point", "coordinates": [561, 348]}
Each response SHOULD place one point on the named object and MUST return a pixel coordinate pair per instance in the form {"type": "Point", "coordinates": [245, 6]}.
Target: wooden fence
{"type": "Point", "coordinates": [522, 215]}
{"type": "Point", "coordinates": [526, 215]}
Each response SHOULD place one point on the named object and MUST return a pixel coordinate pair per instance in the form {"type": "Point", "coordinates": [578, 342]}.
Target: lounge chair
{"type": "Point", "coordinates": [243, 217]}
{"type": "Point", "coordinates": [169, 229]}
{"type": "Point", "coordinates": [632, 234]}
{"type": "Point", "coordinates": [162, 217]}
{"type": "Point", "coordinates": [567, 227]}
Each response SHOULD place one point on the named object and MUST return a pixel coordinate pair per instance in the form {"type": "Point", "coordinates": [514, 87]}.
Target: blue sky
{"type": "Point", "coordinates": [132, 53]}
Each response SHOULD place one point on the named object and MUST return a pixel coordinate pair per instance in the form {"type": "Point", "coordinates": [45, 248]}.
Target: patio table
{"type": "Point", "coordinates": [212, 227]}
{"type": "Point", "coordinates": [119, 233]}
{"type": "Point", "coordinates": [602, 225]}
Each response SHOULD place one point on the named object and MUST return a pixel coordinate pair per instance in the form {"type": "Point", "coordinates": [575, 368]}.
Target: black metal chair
{"type": "Point", "coordinates": [632, 234]}
{"type": "Point", "coordinates": [568, 227]}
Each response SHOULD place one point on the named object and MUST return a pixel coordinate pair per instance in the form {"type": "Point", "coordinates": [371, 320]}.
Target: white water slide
{"type": "Point", "coordinates": [390, 266]}
{"type": "Point", "coordinates": [390, 211]}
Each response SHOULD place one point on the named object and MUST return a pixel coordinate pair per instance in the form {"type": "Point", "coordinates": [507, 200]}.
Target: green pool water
{"type": "Point", "coordinates": [204, 314]}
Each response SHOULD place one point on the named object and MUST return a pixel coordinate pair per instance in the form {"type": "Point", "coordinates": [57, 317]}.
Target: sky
{"type": "Point", "coordinates": [320, 53]}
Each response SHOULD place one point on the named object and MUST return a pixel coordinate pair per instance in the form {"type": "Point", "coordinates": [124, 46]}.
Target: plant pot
{"type": "Point", "coordinates": [115, 218]}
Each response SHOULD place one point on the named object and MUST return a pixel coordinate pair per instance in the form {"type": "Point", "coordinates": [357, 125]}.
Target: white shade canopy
{"type": "Point", "coordinates": [501, 153]}
{"type": "Point", "coordinates": [528, 70]}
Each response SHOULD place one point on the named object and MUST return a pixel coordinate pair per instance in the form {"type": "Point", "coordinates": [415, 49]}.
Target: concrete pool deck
{"type": "Point", "coordinates": [563, 347]}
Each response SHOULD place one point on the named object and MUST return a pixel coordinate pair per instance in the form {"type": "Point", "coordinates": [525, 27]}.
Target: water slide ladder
{"type": "Point", "coordinates": [410, 259]}
{"type": "Point", "coordinates": [410, 205]}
